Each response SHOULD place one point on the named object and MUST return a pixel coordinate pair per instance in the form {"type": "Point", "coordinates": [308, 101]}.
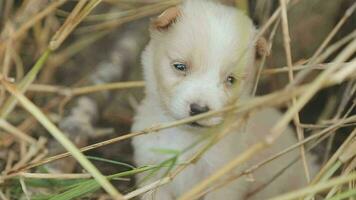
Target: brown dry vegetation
{"type": "Point", "coordinates": [70, 80]}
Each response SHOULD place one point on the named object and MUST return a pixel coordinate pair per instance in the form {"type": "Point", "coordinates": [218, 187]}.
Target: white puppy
{"type": "Point", "coordinates": [201, 58]}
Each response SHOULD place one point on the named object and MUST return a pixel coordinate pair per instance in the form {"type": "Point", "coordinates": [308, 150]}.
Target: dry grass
{"type": "Point", "coordinates": [42, 30]}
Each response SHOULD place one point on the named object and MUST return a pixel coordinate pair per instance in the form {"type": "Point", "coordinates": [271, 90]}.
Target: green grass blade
{"type": "Point", "coordinates": [90, 186]}
{"type": "Point", "coordinates": [110, 161]}
{"type": "Point", "coordinates": [10, 104]}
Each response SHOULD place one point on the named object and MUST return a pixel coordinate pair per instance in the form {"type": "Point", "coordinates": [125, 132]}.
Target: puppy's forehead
{"type": "Point", "coordinates": [209, 32]}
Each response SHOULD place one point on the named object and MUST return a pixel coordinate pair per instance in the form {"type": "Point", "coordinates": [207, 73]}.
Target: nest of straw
{"type": "Point", "coordinates": [70, 82]}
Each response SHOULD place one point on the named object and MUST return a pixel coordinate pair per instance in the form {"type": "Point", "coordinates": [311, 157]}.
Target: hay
{"type": "Point", "coordinates": [38, 38]}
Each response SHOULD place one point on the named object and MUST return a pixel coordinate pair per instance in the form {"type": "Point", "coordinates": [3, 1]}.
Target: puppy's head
{"type": "Point", "coordinates": [200, 58]}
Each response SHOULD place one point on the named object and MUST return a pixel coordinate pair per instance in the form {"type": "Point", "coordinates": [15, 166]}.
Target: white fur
{"type": "Point", "coordinates": [216, 41]}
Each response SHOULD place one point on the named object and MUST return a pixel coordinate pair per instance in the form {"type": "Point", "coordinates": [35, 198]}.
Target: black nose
{"type": "Point", "coordinates": [196, 109]}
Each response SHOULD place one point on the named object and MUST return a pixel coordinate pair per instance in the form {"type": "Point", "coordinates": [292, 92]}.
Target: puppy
{"type": "Point", "coordinates": [201, 58]}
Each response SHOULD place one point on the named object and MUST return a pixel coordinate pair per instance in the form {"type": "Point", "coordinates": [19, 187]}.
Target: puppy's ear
{"type": "Point", "coordinates": [262, 48]}
{"type": "Point", "coordinates": [166, 19]}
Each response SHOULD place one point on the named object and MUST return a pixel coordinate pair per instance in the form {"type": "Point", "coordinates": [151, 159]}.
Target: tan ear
{"type": "Point", "coordinates": [164, 20]}
{"type": "Point", "coordinates": [262, 48]}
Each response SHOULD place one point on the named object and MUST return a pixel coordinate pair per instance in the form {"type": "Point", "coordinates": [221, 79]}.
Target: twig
{"type": "Point", "coordinates": [275, 70]}
{"type": "Point", "coordinates": [67, 91]}
{"type": "Point", "coordinates": [24, 189]}
{"type": "Point", "coordinates": [76, 16]}
{"type": "Point", "coordinates": [287, 48]}
{"type": "Point", "coordinates": [16, 132]}
{"type": "Point", "coordinates": [108, 86]}
{"type": "Point", "coordinates": [263, 60]}
{"type": "Point", "coordinates": [148, 187]}
{"type": "Point", "coordinates": [341, 22]}
{"type": "Point", "coordinates": [9, 105]}
{"type": "Point", "coordinates": [53, 176]}
{"type": "Point", "coordinates": [317, 187]}
{"type": "Point", "coordinates": [334, 47]}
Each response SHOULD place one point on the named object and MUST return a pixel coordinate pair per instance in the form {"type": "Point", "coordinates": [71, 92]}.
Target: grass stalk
{"type": "Point", "coordinates": [85, 89]}
{"type": "Point", "coordinates": [273, 99]}
{"type": "Point", "coordinates": [316, 188]}
{"type": "Point", "coordinates": [30, 23]}
{"type": "Point", "coordinates": [10, 103]}
{"type": "Point", "coordinates": [62, 139]}
{"type": "Point", "coordinates": [16, 132]}
{"type": "Point", "coordinates": [287, 48]}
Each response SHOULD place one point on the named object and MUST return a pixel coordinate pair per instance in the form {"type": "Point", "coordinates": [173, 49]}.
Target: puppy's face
{"type": "Point", "coordinates": [200, 59]}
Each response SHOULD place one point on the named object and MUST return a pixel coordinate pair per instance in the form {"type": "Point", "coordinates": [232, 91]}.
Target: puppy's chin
{"type": "Point", "coordinates": [206, 123]}
{"type": "Point", "coordinates": [203, 123]}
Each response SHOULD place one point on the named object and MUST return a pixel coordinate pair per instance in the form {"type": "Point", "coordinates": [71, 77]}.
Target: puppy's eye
{"type": "Point", "coordinates": [230, 80]}
{"type": "Point", "coordinates": [180, 66]}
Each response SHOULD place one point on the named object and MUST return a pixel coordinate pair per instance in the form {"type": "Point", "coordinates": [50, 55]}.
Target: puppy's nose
{"type": "Point", "coordinates": [196, 109]}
